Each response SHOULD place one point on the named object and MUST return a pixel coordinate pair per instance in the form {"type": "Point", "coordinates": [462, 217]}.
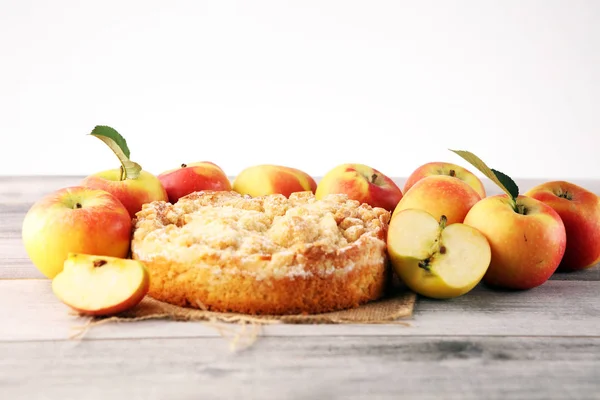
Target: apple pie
{"type": "Point", "coordinates": [222, 251]}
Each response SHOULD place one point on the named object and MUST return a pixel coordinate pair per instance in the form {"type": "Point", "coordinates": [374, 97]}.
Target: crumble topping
{"type": "Point", "coordinates": [264, 232]}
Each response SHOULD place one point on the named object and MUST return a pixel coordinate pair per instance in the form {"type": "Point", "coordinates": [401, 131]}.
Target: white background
{"type": "Point", "coordinates": [309, 84]}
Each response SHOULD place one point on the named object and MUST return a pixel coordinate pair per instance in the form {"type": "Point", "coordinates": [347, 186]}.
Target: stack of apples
{"type": "Point", "coordinates": [445, 234]}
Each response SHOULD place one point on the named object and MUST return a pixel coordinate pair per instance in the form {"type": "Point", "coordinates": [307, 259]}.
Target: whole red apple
{"type": "Point", "coordinates": [133, 186]}
{"type": "Point", "coordinates": [75, 220]}
{"type": "Point", "coordinates": [527, 241]}
{"type": "Point", "coordinates": [132, 192]}
{"type": "Point", "coordinates": [193, 177]}
{"type": "Point", "coordinates": [440, 195]}
{"type": "Point", "coordinates": [266, 179]}
{"type": "Point", "coordinates": [362, 183]}
{"type": "Point", "coordinates": [579, 210]}
{"type": "Point", "coordinates": [447, 169]}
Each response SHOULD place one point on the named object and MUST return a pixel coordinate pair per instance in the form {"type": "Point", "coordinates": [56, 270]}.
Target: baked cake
{"type": "Point", "coordinates": [222, 251]}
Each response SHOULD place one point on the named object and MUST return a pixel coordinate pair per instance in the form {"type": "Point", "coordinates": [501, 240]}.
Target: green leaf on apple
{"type": "Point", "coordinates": [502, 180]}
{"type": "Point", "coordinates": [118, 144]}
{"type": "Point", "coordinates": [508, 183]}
{"type": "Point", "coordinates": [108, 134]}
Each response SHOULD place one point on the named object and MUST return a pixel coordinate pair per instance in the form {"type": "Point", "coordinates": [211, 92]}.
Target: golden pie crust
{"type": "Point", "coordinates": [273, 255]}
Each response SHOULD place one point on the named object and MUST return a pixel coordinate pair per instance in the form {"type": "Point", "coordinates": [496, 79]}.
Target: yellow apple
{"type": "Point", "coordinates": [527, 239]}
{"type": "Point", "coordinates": [361, 183]}
{"type": "Point", "coordinates": [433, 259]}
{"type": "Point", "coordinates": [579, 209]}
{"type": "Point", "coordinates": [193, 177]}
{"type": "Point", "coordinates": [75, 219]}
{"type": "Point", "coordinates": [448, 169]}
{"type": "Point", "coordinates": [132, 192]}
{"type": "Point", "coordinates": [265, 179]}
{"type": "Point", "coordinates": [100, 285]}
{"type": "Point", "coordinates": [440, 195]}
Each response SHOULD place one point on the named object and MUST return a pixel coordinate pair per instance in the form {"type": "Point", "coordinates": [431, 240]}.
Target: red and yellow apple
{"type": "Point", "coordinates": [133, 193]}
{"type": "Point", "coordinates": [433, 259]}
{"type": "Point", "coordinates": [193, 177]}
{"type": "Point", "coordinates": [527, 241]}
{"type": "Point", "coordinates": [361, 183]}
{"type": "Point", "coordinates": [579, 210]}
{"type": "Point", "coordinates": [100, 285]}
{"type": "Point", "coordinates": [75, 219]}
{"type": "Point", "coordinates": [448, 169]}
{"type": "Point", "coordinates": [266, 179]}
{"type": "Point", "coordinates": [440, 195]}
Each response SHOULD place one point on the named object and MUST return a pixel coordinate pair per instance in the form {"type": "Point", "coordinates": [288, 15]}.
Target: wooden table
{"type": "Point", "coordinates": [538, 344]}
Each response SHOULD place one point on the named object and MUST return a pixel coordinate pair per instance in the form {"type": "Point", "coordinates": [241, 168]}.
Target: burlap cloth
{"type": "Point", "coordinates": [396, 305]}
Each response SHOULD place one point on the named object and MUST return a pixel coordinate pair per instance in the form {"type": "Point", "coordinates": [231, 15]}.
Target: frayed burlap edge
{"type": "Point", "coordinates": [388, 310]}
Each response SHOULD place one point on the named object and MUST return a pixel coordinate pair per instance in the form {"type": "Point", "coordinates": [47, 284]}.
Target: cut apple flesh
{"type": "Point", "coordinates": [415, 234]}
{"type": "Point", "coordinates": [99, 285]}
{"type": "Point", "coordinates": [435, 260]}
{"type": "Point", "coordinates": [467, 256]}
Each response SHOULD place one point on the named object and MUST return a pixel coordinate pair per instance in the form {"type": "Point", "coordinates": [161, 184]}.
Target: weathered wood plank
{"type": "Point", "coordinates": [30, 311]}
{"type": "Point", "coordinates": [590, 274]}
{"type": "Point", "coordinates": [14, 262]}
{"type": "Point", "coordinates": [27, 189]}
{"type": "Point", "coordinates": [379, 367]}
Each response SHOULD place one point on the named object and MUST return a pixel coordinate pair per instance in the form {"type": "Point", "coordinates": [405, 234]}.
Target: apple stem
{"type": "Point", "coordinates": [443, 221]}
{"type": "Point", "coordinates": [78, 205]}
{"type": "Point", "coordinates": [425, 264]}
{"type": "Point", "coordinates": [520, 209]}
{"type": "Point", "coordinates": [565, 195]}
{"type": "Point", "coordinates": [110, 137]}
{"type": "Point", "coordinates": [373, 178]}
{"type": "Point", "coordinates": [452, 173]}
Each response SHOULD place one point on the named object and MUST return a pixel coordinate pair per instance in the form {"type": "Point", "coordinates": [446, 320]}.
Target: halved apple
{"type": "Point", "coordinates": [100, 285]}
{"type": "Point", "coordinates": [433, 259]}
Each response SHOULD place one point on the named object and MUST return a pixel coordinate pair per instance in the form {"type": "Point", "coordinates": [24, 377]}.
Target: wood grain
{"type": "Point", "coordinates": [381, 367]}
{"type": "Point", "coordinates": [24, 190]}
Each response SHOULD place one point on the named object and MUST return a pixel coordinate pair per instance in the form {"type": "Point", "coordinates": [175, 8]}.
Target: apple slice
{"type": "Point", "coordinates": [436, 260]}
{"type": "Point", "coordinates": [100, 285]}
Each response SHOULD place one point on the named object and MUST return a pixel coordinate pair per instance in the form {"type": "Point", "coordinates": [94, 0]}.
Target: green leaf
{"type": "Point", "coordinates": [108, 134]}
{"type": "Point", "coordinates": [118, 144]}
{"type": "Point", "coordinates": [508, 183]}
{"type": "Point", "coordinates": [502, 180]}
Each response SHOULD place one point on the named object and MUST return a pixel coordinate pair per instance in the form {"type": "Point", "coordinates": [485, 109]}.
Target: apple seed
{"type": "Point", "coordinates": [99, 263]}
